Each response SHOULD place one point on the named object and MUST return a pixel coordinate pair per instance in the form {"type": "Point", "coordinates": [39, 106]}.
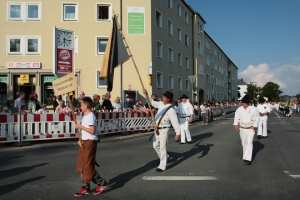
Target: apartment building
{"type": "Point", "coordinates": [167, 43]}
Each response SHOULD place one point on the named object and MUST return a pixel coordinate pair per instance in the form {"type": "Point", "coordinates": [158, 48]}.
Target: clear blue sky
{"type": "Point", "coordinates": [262, 37]}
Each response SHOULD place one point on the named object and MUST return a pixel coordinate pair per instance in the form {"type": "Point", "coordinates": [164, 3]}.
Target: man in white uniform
{"type": "Point", "coordinates": [185, 113]}
{"type": "Point", "coordinates": [247, 118]}
{"type": "Point", "coordinates": [264, 110]}
{"type": "Point", "coordinates": [160, 140]}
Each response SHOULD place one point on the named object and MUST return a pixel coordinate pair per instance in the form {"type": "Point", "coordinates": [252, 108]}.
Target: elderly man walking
{"type": "Point", "coordinates": [165, 116]}
{"type": "Point", "coordinates": [246, 120]}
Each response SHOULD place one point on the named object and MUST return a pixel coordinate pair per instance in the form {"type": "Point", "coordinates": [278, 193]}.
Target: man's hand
{"type": "Point", "coordinates": [253, 128]}
{"type": "Point", "coordinates": [190, 120]}
{"type": "Point", "coordinates": [144, 91]}
{"type": "Point", "coordinates": [236, 127]}
{"type": "Point", "coordinates": [80, 143]}
{"type": "Point", "coordinates": [77, 125]}
{"type": "Point", "coordinates": [177, 137]}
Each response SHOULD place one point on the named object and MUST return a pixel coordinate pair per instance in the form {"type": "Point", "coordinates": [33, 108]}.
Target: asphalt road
{"type": "Point", "coordinates": [214, 159]}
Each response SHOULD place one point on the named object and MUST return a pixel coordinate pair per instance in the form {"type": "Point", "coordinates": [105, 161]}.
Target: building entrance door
{"type": "Point", "coordinates": [28, 88]}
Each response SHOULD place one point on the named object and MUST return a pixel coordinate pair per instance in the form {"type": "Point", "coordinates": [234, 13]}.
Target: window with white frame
{"type": "Point", "coordinates": [159, 79]}
{"type": "Point", "coordinates": [170, 27]}
{"type": "Point", "coordinates": [187, 85]}
{"type": "Point", "coordinates": [33, 45]}
{"type": "Point", "coordinates": [24, 11]}
{"type": "Point", "coordinates": [70, 12]}
{"type": "Point", "coordinates": [199, 30]}
{"type": "Point", "coordinates": [187, 63]}
{"type": "Point", "coordinates": [158, 18]}
{"type": "Point", "coordinates": [170, 4]}
{"type": "Point", "coordinates": [104, 12]}
{"type": "Point", "coordinates": [200, 68]}
{"type": "Point", "coordinates": [178, 34]}
{"type": "Point", "coordinates": [171, 82]}
{"type": "Point", "coordinates": [14, 45]}
{"type": "Point", "coordinates": [186, 39]}
{"type": "Point", "coordinates": [186, 17]}
{"type": "Point", "coordinates": [207, 44]}
{"type": "Point", "coordinates": [100, 82]}
{"type": "Point", "coordinates": [179, 59]}
{"type": "Point", "coordinates": [158, 49]}
{"type": "Point", "coordinates": [101, 45]}
{"type": "Point", "coordinates": [179, 83]}
{"type": "Point", "coordinates": [178, 9]}
{"type": "Point", "coordinates": [170, 55]}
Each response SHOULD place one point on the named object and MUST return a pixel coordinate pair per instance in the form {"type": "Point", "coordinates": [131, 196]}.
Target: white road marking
{"type": "Point", "coordinates": [277, 114]}
{"type": "Point", "coordinates": [179, 178]}
{"type": "Point", "coordinates": [295, 176]}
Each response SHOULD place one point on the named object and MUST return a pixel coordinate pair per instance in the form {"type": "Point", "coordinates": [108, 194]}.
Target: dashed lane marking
{"type": "Point", "coordinates": [179, 178]}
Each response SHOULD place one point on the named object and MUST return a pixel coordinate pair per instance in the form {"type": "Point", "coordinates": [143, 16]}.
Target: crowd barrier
{"type": "Point", "coordinates": [30, 127]}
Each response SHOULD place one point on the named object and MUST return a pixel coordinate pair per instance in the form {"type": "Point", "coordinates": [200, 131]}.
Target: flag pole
{"type": "Point", "coordinates": [137, 71]}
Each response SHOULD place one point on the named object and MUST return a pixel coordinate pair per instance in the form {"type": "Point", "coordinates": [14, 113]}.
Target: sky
{"type": "Point", "coordinates": [261, 37]}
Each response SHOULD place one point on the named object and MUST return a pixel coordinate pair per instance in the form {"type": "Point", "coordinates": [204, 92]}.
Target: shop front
{"type": "Point", "coordinates": [25, 83]}
{"type": "Point", "coordinates": [3, 90]}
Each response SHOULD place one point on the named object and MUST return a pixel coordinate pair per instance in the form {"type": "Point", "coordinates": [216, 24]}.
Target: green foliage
{"type": "Point", "coordinates": [272, 91]}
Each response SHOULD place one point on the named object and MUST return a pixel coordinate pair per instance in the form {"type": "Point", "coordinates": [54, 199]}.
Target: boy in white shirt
{"type": "Point", "coordinates": [42, 109]}
{"type": "Point", "coordinates": [87, 152]}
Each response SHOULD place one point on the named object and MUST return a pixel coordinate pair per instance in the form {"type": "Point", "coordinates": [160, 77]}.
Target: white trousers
{"type": "Point", "coordinates": [184, 129]}
{"type": "Point", "coordinates": [262, 127]}
{"type": "Point", "coordinates": [160, 146]}
{"type": "Point", "coordinates": [247, 136]}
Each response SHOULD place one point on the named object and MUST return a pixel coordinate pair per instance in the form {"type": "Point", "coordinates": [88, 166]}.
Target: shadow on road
{"type": "Point", "coordinates": [257, 146]}
{"type": "Point", "coordinates": [177, 158]}
{"type": "Point", "coordinates": [18, 170]}
{"type": "Point", "coordinates": [15, 186]}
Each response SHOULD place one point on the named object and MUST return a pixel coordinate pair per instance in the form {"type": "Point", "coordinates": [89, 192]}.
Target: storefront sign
{"type": "Point", "coordinates": [24, 78]}
{"type": "Point", "coordinates": [136, 20]}
{"type": "Point", "coordinates": [65, 84]}
{"type": "Point", "coordinates": [3, 79]}
{"type": "Point", "coordinates": [27, 65]}
{"type": "Point", "coordinates": [64, 60]}
{"type": "Point", "coordinates": [48, 79]}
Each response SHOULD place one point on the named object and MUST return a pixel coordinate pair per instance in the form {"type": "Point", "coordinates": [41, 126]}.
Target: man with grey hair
{"type": "Point", "coordinates": [106, 105]}
{"type": "Point", "coordinates": [81, 96]}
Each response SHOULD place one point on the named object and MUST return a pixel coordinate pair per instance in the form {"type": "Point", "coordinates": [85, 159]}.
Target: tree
{"type": "Point", "coordinates": [298, 96]}
{"type": "Point", "coordinates": [272, 91]}
{"type": "Point", "coordinates": [251, 89]}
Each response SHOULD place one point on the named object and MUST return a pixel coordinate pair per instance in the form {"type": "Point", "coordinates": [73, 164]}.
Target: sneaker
{"type": "Point", "coordinates": [84, 190]}
{"type": "Point", "coordinates": [100, 188]}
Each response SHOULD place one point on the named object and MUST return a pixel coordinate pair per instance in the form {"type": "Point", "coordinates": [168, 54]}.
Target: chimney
{"type": "Point", "coordinates": [242, 80]}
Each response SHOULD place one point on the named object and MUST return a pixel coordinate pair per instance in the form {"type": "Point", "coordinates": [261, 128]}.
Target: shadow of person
{"type": "Point", "coordinates": [120, 180]}
{"type": "Point", "coordinates": [18, 170]}
{"type": "Point", "coordinates": [269, 131]}
{"type": "Point", "coordinates": [177, 158]}
{"type": "Point", "coordinates": [14, 186]}
{"type": "Point", "coordinates": [257, 146]}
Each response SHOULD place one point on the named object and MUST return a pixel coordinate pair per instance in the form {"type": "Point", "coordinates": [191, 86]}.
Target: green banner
{"type": "Point", "coordinates": [48, 79]}
{"type": "Point", "coordinates": [3, 79]}
{"type": "Point", "coordinates": [136, 20]}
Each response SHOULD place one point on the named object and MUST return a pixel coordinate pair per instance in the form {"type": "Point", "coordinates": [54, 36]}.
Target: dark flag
{"type": "Point", "coordinates": [115, 55]}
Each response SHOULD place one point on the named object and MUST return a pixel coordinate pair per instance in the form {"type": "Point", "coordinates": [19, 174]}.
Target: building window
{"type": "Point", "coordinates": [70, 12]}
{"type": "Point", "coordinates": [33, 45]}
{"type": "Point", "coordinates": [170, 4]}
{"type": "Point", "coordinates": [158, 49]}
{"type": "Point", "coordinates": [179, 83]}
{"type": "Point", "coordinates": [14, 46]}
{"type": "Point", "coordinates": [15, 11]}
{"type": "Point", "coordinates": [170, 27]}
{"type": "Point", "coordinates": [179, 34]}
{"type": "Point", "coordinates": [179, 10]}
{"type": "Point", "coordinates": [179, 59]}
{"type": "Point", "coordinates": [186, 40]}
{"type": "Point", "coordinates": [103, 12]}
{"type": "Point", "coordinates": [159, 80]}
{"type": "Point", "coordinates": [101, 45]}
{"type": "Point", "coordinates": [201, 48]}
{"type": "Point", "coordinates": [187, 63]}
{"type": "Point", "coordinates": [33, 11]}
{"type": "Point", "coordinates": [200, 68]}
{"type": "Point", "coordinates": [158, 19]}
{"type": "Point", "coordinates": [186, 18]}
{"type": "Point", "coordinates": [198, 47]}
{"type": "Point", "coordinates": [171, 82]}
{"type": "Point", "coordinates": [207, 44]}
{"type": "Point", "coordinates": [170, 55]}
{"type": "Point", "coordinates": [187, 85]}
{"type": "Point", "coordinates": [207, 61]}
{"type": "Point", "coordinates": [100, 82]}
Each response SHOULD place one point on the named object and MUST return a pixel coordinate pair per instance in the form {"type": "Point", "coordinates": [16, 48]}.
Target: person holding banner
{"type": "Point", "coordinates": [165, 116]}
{"type": "Point", "coordinates": [87, 152]}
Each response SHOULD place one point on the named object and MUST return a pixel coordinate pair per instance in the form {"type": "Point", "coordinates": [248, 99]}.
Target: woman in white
{"type": "Point", "coordinates": [117, 104]}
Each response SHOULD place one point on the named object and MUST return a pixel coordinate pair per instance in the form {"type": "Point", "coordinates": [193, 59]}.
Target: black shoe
{"type": "Point", "coordinates": [190, 142]}
{"type": "Point", "coordinates": [247, 162]}
{"type": "Point", "coordinates": [159, 170]}
{"type": "Point", "coordinates": [181, 143]}
{"type": "Point", "coordinates": [259, 137]}
{"type": "Point", "coordinates": [264, 136]}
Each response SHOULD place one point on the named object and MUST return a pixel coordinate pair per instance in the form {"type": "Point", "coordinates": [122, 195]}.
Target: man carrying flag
{"type": "Point", "coordinates": [115, 55]}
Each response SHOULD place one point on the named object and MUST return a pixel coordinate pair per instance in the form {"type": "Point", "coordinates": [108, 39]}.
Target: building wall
{"type": "Point", "coordinates": [243, 91]}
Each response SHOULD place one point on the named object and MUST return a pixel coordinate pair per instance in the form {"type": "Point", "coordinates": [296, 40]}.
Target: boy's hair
{"type": "Point", "coordinates": [88, 101]}
{"type": "Point", "coordinates": [43, 105]}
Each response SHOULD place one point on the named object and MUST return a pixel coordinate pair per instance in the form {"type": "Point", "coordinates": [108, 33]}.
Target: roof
{"type": "Point", "coordinates": [241, 82]}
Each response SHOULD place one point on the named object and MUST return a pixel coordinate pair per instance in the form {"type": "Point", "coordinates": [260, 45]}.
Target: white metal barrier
{"type": "Point", "coordinates": [29, 127]}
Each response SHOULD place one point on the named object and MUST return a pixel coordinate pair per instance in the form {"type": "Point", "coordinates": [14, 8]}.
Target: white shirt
{"type": "Point", "coordinates": [87, 121]}
{"type": "Point", "coordinates": [246, 117]}
{"type": "Point", "coordinates": [169, 118]}
{"type": "Point", "coordinates": [263, 108]}
{"type": "Point", "coordinates": [203, 109]}
{"type": "Point", "coordinates": [185, 109]}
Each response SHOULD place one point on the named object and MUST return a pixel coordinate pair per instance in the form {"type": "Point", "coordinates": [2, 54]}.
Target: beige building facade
{"type": "Point", "coordinates": [167, 43]}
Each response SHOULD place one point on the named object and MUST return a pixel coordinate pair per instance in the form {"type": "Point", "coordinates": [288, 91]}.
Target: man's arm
{"type": "Point", "coordinates": [153, 103]}
{"type": "Point", "coordinates": [256, 116]}
{"type": "Point", "coordinates": [174, 121]}
{"type": "Point", "coordinates": [236, 120]}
